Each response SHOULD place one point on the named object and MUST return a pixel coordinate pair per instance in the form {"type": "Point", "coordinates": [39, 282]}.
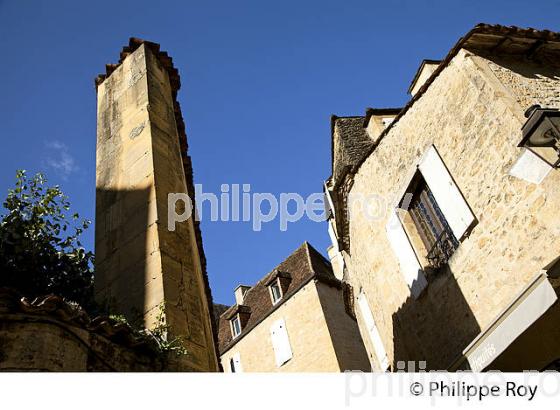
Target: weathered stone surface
{"type": "Point", "coordinates": [319, 331]}
{"type": "Point", "coordinates": [323, 336]}
{"type": "Point", "coordinates": [473, 113]}
{"type": "Point", "coordinates": [140, 265]}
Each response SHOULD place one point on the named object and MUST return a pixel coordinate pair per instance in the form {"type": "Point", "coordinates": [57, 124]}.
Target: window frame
{"type": "Point", "coordinates": [232, 321]}
{"type": "Point", "coordinates": [400, 229]}
{"type": "Point", "coordinates": [429, 225]}
{"type": "Point", "coordinates": [275, 283]}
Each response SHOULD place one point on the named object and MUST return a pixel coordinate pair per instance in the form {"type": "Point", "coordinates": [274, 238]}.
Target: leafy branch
{"type": "Point", "coordinates": [40, 247]}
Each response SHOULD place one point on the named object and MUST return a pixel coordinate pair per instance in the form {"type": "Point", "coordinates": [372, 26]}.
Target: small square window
{"type": "Point", "coordinates": [235, 326]}
{"type": "Point", "coordinates": [276, 292]}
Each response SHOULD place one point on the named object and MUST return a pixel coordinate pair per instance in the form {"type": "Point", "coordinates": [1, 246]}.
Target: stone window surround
{"type": "Point", "coordinates": [411, 230]}
{"type": "Point", "coordinates": [406, 222]}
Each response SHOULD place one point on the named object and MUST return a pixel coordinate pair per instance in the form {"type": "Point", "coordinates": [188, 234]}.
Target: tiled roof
{"type": "Point", "coordinates": [486, 38]}
{"type": "Point", "coordinates": [219, 309]}
{"type": "Point", "coordinates": [350, 142]}
{"type": "Point", "coordinates": [304, 264]}
{"type": "Point", "coordinates": [425, 62]}
{"type": "Point", "coordinates": [53, 307]}
{"type": "Point", "coordinates": [175, 82]}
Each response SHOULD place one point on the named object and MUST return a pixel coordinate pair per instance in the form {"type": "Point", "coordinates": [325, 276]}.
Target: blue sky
{"type": "Point", "coordinates": [259, 82]}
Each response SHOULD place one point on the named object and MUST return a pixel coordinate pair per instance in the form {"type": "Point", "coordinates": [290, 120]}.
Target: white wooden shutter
{"type": "Point", "coordinates": [447, 195]}
{"type": "Point", "coordinates": [237, 363]}
{"type": "Point", "coordinates": [332, 235]}
{"type": "Point", "coordinates": [280, 342]}
{"type": "Point", "coordinates": [373, 333]}
{"type": "Point", "coordinates": [403, 250]}
{"type": "Point", "coordinates": [329, 204]}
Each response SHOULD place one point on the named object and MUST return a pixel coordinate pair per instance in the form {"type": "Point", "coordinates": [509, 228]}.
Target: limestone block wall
{"type": "Point", "coordinates": [32, 343]}
{"type": "Point", "coordinates": [473, 113]}
{"type": "Point", "coordinates": [345, 335]}
{"type": "Point", "coordinates": [528, 82]}
{"type": "Point", "coordinates": [310, 340]}
{"type": "Point", "coordinates": [128, 264]}
{"type": "Point", "coordinates": [141, 266]}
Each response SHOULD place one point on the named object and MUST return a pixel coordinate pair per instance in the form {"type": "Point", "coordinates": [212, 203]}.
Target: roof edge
{"type": "Point", "coordinates": [481, 28]}
{"type": "Point", "coordinates": [419, 70]}
{"type": "Point", "coordinates": [370, 112]}
{"type": "Point", "coordinates": [246, 331]}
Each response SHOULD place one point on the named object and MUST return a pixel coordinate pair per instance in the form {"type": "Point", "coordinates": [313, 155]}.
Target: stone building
{"type": "Point", "coordinates": [295, 319]}
{"type": "Point", "coordinates": [444, 213]}
{"type": "Point", "coordinates": [143, 267]}
{"type": "Point", "coordinates": [150, 274]}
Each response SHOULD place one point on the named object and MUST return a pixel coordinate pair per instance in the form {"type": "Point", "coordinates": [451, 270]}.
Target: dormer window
{"type": "Point", "coordinates": [275, 291]}
{"type": "Point", "coordinates": [238, 318]}
{"type": "Point", "coordinates": [278, 283]}
{"type": "Point", "coordinates": [386, 121]}
{"type": "Point", "coordinates": [235, 326]}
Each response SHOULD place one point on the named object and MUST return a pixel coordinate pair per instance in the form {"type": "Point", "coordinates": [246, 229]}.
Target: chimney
{"type": "Point", "coordinates": [240, 293]}
{"type": "Point", "coordinates": [424, 72]}
{"type": "Point", "coordinates": [142, 268]}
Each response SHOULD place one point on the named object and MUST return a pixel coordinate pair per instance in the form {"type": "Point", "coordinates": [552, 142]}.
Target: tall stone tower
{"type": "Point", "coordinates": [141, 266]}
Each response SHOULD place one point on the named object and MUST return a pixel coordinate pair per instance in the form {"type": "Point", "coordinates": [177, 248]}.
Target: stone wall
{"type": "Point", "coordinates": [51, 334]}
{"type": "Point", "coordinates": [345, 335]}
{"type": "Point", "coordinates": [529, 83]}
{"type": "Point", "coordinates": [312, 339]}
{"type": "Point", "coordinates": [31, 343]}
{"type": "Point", "coordinates": [473, 113]}
{"type": "Point", "coordinates": [349, 143]}
{"type": "Point", "coordinates": [142, 267]}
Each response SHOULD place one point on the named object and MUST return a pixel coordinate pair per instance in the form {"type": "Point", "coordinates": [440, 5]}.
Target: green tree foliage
{"type": "Point", "coordinates": [40, 249]}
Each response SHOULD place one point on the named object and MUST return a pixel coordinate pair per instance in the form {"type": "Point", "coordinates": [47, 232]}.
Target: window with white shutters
{"type": "Point", "coordinates": [441, 218]}
{"type": "Point", "coordinates": [374, 336]}
{"type": "Point", "coordinates": [280, 342]}
{"type": "Point", "coordinates": [408, 261]}
{"type": "Point", "coordinates": [446, 193]}
{"type": "Point", "coordinates": [432, 227]}
{"type": "Point", "coordinates": [235, 363]}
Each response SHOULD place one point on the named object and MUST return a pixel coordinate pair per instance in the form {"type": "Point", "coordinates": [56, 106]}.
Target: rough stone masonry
{"type": "Point", "coordinates": [143, 269]}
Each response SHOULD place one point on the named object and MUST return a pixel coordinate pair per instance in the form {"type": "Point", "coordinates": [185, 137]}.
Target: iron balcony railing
{"type": "Point", "coordinates": [442, 249]}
